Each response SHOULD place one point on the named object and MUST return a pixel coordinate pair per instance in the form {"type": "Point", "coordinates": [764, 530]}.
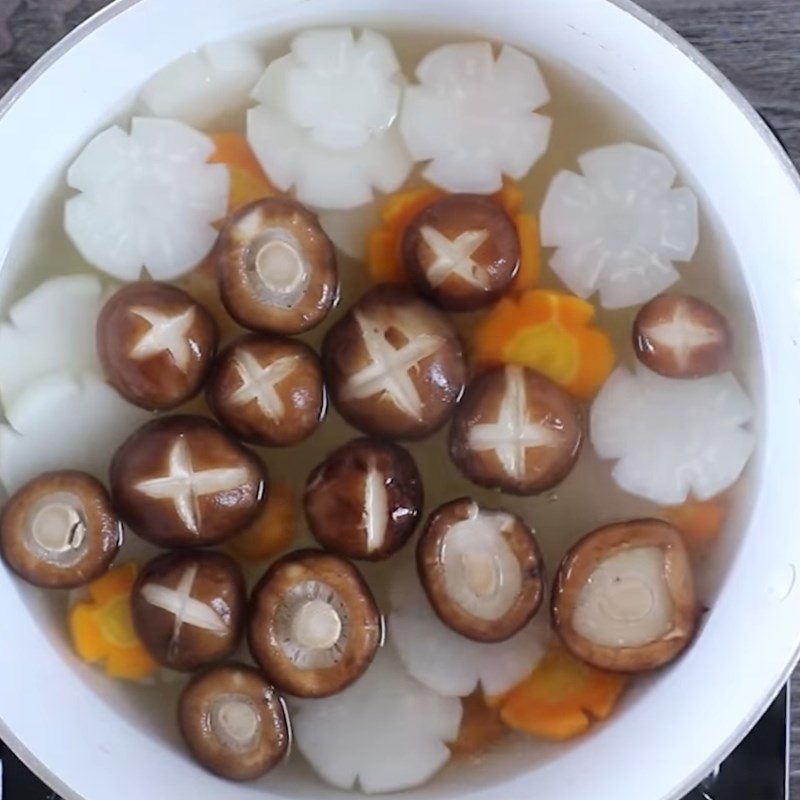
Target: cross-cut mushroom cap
{"type": "Point", "coordinates": [181, 482]}
{"type": "Point", "coordinates": [462, 251]}
{"type": "Point", "coordinates": [624, 596]}
{"type": "Point", "coordinates": [156, 344]}
{"type": "Point", "coordinates": [234, 722]}
{"type": "Point", "coordinates": [276, 267]}
{"type": "Point", "coordinates": [481, 569]}
{"type": "Point", "coordinates": [394, 364]}
{"type": "Point", "coordinates": [365, 499]}
{"type": "Point", "coordinates": [516, 431]}
{"type": "Point", "coordinates": [59, 531]}
{"type": "Point", "coordinates": [189, 608]}
{"type": "Point", "coordinates": [314, 625]}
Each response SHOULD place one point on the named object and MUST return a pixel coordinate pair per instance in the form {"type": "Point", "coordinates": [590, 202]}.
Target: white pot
{"type": "Point", "coordinates": [89, 740]}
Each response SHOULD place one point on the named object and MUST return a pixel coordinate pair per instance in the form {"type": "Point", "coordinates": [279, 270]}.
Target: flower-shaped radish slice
{"type": "Point", "coordinates": [671, 436]}
{"type": "Point", "coordinates": [148, 199]}
{"type": "Point", "coordinates": [620, 226]}
{"type": "Point", "coordinates": [63, 423]}
{"type": "Point", "coordinates": [325, 123]}
{"type": "Point", "coordinates": [349, 228]}
{"type": "Point", "coordinates": [204, 85]}
{"type": "Point", "coordinates": [451, 664]}
{"type": "Point", "coordinates": [52, 329]}
{"type": "Point", "coordinates": [347, 740]}
{"type": "Point", "coordinates": [472, 116]}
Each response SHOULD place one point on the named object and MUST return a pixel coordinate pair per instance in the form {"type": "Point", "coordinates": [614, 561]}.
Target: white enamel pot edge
{"type": "Point", "coordinates": [694, 713]}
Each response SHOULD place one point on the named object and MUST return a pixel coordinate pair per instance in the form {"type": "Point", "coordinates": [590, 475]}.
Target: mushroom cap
{"type": "Point", "coordinates": [395, 365]}
{"type": "Point", "coordinates": [516, 431]}
{"type": "Point", "coordinates": [314, 625]}
{"type": "Point", "coordinates": [624, 598]}
{"type": "Point", "coordinates": [679, 336]}
{"type": "Point", "coordinates": [156, 344]}
{"type": "Point", "coordinates": [481, 569]}
{"type": "Point", "coordinates": [60, 531]}
{"type": "Point", "coordinates": [462, 251]}
{"type": "Point", "coordinates": [181, 481]}
{"type": "Point", "coordinates": [364, 500]}
{"type": "Point", "coordinates": [189, 608]}
{"type": "Point", "coordinates": [276, 267]}
{"type": "Point", "coordinates": [234, 722]}
{"type": "Point", "coordinates": [268, 390]}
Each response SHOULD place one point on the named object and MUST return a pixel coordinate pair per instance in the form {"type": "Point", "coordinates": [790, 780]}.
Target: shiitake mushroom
{"type": "Point", "coordinates": [624, 597]}
{"type": "Point", "coordinates": [234, 722]}
{"type": "Point", "coordinates": [276, 267]}
{"type": "Point", "coordinates": [314, 625]}
{"type": "Point", "coordinates": [481, 569]}
{"type": "Point", "coordinates": [364, 500]}
{"type": "Point", "coordinates": [59, 530]}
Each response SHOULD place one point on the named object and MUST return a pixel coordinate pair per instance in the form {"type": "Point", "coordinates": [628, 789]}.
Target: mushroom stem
{"type": "Point", "coordinates": [58, 526]}
{"type": "Point", "coordinates": [279, 266]}
{"type": "Point", "coordinates": [235, 721]}
{"type": "Point", "coordinates": [316, 625]}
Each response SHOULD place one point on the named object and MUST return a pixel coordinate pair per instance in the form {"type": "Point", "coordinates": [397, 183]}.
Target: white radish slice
{"type": "Point", "coordinates": [51, 329]}
{"type": "Point", "coordinates": [385, 733]}
{"type": "Point", "coordinates": [148, 199]}
{"type": "Point", "coordinates": [672, 437]}
{"type": "Point", "coordinates": [63, 423]}
{"type": "Point", "coordinates": [204, 85]}
{"type": "Point", "coordinates": [620, 226]}
{"type": "Point", "coordinates": [473, 116]}
{"type": "Point", "coordinates": [451, 664]}
{"type": "Point", "coordinates": [348, 229]}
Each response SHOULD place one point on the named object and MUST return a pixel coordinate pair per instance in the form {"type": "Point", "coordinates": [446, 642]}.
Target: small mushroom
{"type": "Point", "coordinates": [181, 482]}
{"type": "Point", "coordinates": [314, 625]}
{"type": "Point", "coordinates": [462, 251]}
{"type": "Point", "coordinates": [189, 608]}
{"type": "Point", "coordinates": [624, 598]}
{"type": "Point", "coordinates": [268, 390]}
{"type": "Point", "coordinates": [394, 364]}
{"type": "Point", "coordinates": [156, 344]}
{"type": "Point", "coordinates": [59, 531]}
{"type": "Point", "coordinates": [276, 267]}
{"type": "Point", "coordinates": [682, 337]}
{"type": "Point", "coordinates": [516, 431]}
{"type": "Point", "coordinates": [234, 722]}
{"type": "Point", "coordinates": [364, 500]}
{"type": "Point", "coordinates": [481, 569]}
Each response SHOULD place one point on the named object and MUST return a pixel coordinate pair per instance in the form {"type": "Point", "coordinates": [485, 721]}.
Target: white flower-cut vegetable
{"type": "Point", "coordinates": [204, 85]}
{"type": "Point", "coordinates": [620, 226]}
{"type": "Point", "coordinates": [325, 123]}
{"type": "Point", "coordinates": [449, 663]}
{"type": "Point", "coordinates": [472, 116]}
{"type": "Point", "coordinates": [672, 437]}
{"type": "Point", "coordinates": [52, 329]}
{"type": "Point", "coordinates": [63, 423]}
{"type": "Point", "coordinates": [348, 229]}
{"type": "Point", "coordinates": [147, 199]}
{"type": "Point", "coordinates": [385, 733]}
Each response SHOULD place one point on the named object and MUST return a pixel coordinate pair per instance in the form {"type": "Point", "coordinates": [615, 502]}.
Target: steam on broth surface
{"type": "Point", "coordinates": [434, 667]}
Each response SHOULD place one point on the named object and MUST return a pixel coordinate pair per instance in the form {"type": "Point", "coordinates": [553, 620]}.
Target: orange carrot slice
{"type": "Point", "coordinates": [700, 521]}
{"type": "Point", "coordinates": [481, 727]}
{"type": "Point", "coordinates": [249, 182]}
{"type": "Point", "coordinates": [272, 531]}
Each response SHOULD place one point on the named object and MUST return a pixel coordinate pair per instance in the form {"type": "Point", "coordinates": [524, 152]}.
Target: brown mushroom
{"type": "Point", "coordinates": [516, 431]}
{"type": "Point", "coordinates": [276, 267]}
{"type": "Point", "coordinates": [462, 251]}
{"type": "Point", "coordinates": [624, 597]}
{"type": "Point", "coordinates": [156, 344]}
{"type": "Point", "coordinates": [481, 569]}
{"type": "Point", "coordinates": [181, 482]}
{"type": "Point", "coordinates": [59, 531]}
{"type": "Point", "coordinates": [682, 337]}
{"type": "Point", "coordinates": [189, 608]}
{"type": "Point", "coordinates": [268, 390]}
{"type": "Point", "coordinates": [314, 625]}
{"type": "Point", "coordinates": [394, 364]}
{"type": "Point", "coordinates": [364, 500]}
{"type": "Point", "coordinates": [234, 722]}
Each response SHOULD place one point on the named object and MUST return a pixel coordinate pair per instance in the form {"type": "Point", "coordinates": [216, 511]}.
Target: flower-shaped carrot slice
{"type": "Point", "coordinates": [561, 698]}
{"type": "Point", "coordinates": [551, 333]}
{"type": "Point", "coordinates": [248, 181]}
{"type": "Point", "coordinates": [273, 529]}
{"type": "Point", "coordinates": [700, 521]}
{"type": "Point", "coordinates": [102, 629]}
